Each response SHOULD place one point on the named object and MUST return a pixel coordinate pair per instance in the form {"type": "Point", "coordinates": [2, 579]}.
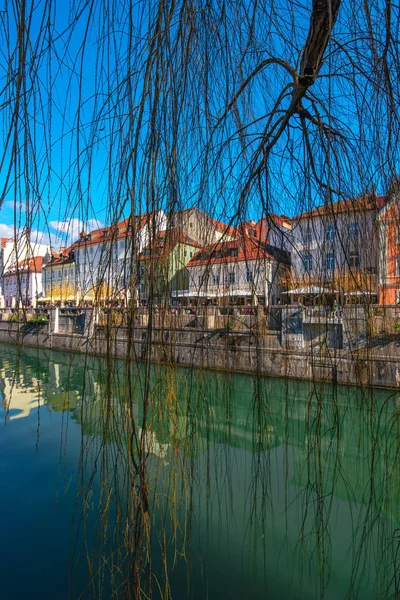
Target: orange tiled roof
{"type": "Point", "coordinates": [362, 203]}
{"type": "Point", "coordinates": [118, 231]}
{"type": "Point", "coordinates": [34, 265]}
{"type": "Point", "coordinates": [248, 248]}
{"type": "Point", "coordinates": [60, 259]}
{"type": "Point", "coordinates": [223, 227]}
{"type": "Point", "coordinates": [282, 220]}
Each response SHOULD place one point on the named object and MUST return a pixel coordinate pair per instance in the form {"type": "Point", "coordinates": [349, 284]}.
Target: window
{"type": "Point", "coordinates": [307, 236]}
{"type": "Point", "coordinates": [249, 276]}
{"type": "Point", "coordinates": [398, 235]}
{"type": "Point", "coordinates": [330, 232]}
{"type": "Point", "coordinates": [330, 262]}
{"type": "Point", "coordinates": [200, 279]}
{"type": "Point", "coordinates": [185, 253]}
{"type": "Point", "coordinates": [231, 277]}
{"type": "Point", "coordinates": [190, 225]}
{"type": "Point", "coordinates": [252, 232]}
{"type": "Point", "coordinates": [397, 296]}
{"type": "Point", "coordinates": [353, 230]}
{"type": "Point", "coordinates": [397, 266]}
{"type": "Point", "coordinates": [191, 254]}
{"type": "Point", "coordinates": [307, 262]}
{"type": "Point", "coordinates": [216, 279]}
{"type": "Point", "coordinates": [354, 259]}
{"type": "Point", "coordinates": [398, 207]}
{"type": "Point", "coordinates": [234, 252]}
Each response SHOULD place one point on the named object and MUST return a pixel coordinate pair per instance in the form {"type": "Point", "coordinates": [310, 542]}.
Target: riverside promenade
{"type": "Point", "coordinates": [356, 346]}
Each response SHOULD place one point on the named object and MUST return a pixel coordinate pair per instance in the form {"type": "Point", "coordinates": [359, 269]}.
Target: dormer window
{"type": "Point", "coordinates": [130, 228]}
{"type": "Point", "coordinates": [88, 238]}
{"type": "Point", "coordinates": [234, 252]}
{"type": "Point", "coordinates": [105, 233]}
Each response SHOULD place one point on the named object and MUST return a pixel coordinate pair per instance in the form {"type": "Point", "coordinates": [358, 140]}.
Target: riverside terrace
{"type": "Point", "coordinates": [359, 345]}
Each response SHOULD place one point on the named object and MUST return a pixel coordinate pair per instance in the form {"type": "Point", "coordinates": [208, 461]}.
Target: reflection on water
{"type": "Point", "coordinates": [19, 396]}
{"type": "Point", "coordinates": [190, 484]}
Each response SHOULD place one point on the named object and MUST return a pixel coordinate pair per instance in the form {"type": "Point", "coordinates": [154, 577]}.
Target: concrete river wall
{"type": "Point", "coordinates": [262, 351]}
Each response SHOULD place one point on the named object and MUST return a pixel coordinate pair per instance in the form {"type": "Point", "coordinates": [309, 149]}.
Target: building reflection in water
{"type": "Point", "coordinates": [271, 452]}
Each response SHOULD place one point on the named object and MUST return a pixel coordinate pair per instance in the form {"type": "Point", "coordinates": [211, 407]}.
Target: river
{"type": "Point", "coordinates": [186, 483]}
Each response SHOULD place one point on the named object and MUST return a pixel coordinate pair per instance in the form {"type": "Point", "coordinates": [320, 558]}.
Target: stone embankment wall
{"type": "Point", "coordinates": [251, 349]}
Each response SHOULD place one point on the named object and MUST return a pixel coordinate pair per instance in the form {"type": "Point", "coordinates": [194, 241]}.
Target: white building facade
{"type": "Point", "coordinates": [239, 272]}
{"type": "Point", "coordinates": [16, 250]}
{"type": "Point", "coordinates": [336, 242]}
{"type": "Point", "coordinates": [106, 259]}
{"type": "Point", "coordinates": [23, 283]}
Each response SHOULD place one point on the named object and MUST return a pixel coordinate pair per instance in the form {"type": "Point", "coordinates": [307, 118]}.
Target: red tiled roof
{"type": "Point", "coordinates": [223, 227]}
{"type": "Point", "coordinates": [3, 242]}
{"type": "Point", "coordinates": [33, 265]}
{"type": "Point", "coordinates": [363, 203]}
{"type": "Point", "coordinates": [248, 248]}
{"type": "Point", "coordinates": [260, 228]}
{"type": "Point", "coordinates": [118, 231]}
{"type": "Point", "coordinates": [282, 220]}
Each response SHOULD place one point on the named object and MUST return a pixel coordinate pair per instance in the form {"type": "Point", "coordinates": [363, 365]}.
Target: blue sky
{"type": "Point", "coordinates": [71, 171]}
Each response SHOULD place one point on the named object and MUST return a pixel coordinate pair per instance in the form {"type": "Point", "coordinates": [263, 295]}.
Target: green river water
{"type": "Point", "coordinates": [256, 488]}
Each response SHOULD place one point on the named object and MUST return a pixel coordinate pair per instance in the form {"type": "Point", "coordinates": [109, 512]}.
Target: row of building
{"type": "Point", "coordinates": [347, 250]}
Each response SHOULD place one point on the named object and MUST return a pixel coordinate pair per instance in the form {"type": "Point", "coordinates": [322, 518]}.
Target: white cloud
{"type": "Point", "coordinates": [36, 236]}
{"type": "Point", "coordinates": [71, 229]}
{"type": "Point", "coordinates": [46, 237]}
{"type": "Point", "coordinates": [6, 231]}
{"type": "Point", "coordinates": [21, 208]}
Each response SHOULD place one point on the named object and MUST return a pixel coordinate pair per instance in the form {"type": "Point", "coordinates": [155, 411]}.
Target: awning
{"type": "Point", "coordinates": [361, 293]}
{"type": "Point", "coordinates": [205, 294]}
{"type": "Point", "coordinates": [311, 290]}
